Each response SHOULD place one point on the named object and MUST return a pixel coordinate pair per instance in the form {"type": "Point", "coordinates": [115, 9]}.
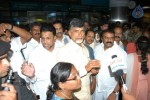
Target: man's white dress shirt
{"type": "Point", "coordinates": [30, 46]}
{"type": "Point", "coordinates": [64, 41]}
{"type": "Point", "coordinates": [43, 61]}
{"type": "Point", "coordinates": [17, 59]}
{"type": "Point", "coordinates": [106, 81]}
{"type": "Point", "coordinates": [75, 54]}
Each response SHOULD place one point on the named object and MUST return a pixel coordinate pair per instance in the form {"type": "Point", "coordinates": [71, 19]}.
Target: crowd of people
{"type": "Point", "coordinates": [59, 63]}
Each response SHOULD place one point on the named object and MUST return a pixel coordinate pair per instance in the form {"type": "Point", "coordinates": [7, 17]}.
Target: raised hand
{"type": "Point", "coordinates": [28, 69]}
{"type": "Point", "coordinates": [93, 66]}
{"type": "Point", "coordinates": [4, 27]}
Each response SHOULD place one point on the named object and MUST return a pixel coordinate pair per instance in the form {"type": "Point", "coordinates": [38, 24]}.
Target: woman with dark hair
{"type": "Point", "coordinates": [65, 79]}
{"type": "Point", "coordinates": [138, 71]}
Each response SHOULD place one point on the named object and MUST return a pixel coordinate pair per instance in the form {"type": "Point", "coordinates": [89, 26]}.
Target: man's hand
{"type": "Point", "coordinates": [8, 95]}
{"type": "Point", "coordinates": [28, 70]}
{"type": "Point", "coordinates": [93, 64]}
{"type": "Point", "coordinates": [112, 96]}
{"type": "Point", "coordinates": [4, 27]}
{"type": "Point", "coordinates": [95, 71]}
{"type": "Point", "coordinates": [126, 95]}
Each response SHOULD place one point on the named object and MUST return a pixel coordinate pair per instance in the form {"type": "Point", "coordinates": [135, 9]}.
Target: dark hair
{"type": "Point", "coordinates": [86, 32]}
{"type": "Point", "coordinates": [85, 21]}
{"type": "Point", "coordinates": [143, 44]}
{"type": "Point", "coordinates": [107, 31]}
{"type": "Point", "coordinates": [34, 24]}
{"type": "Point", "coordinates": [57, 22]}
{"type": "Point", "coordinates": [138, 25]}
{"type": "Point", "coordinates": [117, 27]}
{"type": "Point", "coordinates": [48, 27]}
{"type": "Point", "coordinates": [103, 22]}
{"type": "Point", "coordinates": [127, 24]}
{"type": "Point", "coordinates": [76, 22]}
{"type": "Point", "coordinates": [59, 73]}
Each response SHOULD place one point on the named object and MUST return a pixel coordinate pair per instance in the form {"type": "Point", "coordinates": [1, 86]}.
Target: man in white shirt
{"type": "Point", "coordinates": [126, 30]}
{"type": "Point", "coordinates": [107, 85]}
{"type": "Point", "coordinates": [41, 61]}
{"type": "Point", "coordinates": [76, 53]}
{"type": "Point", "coordinates": [35, 30]}
{"type": "Point", "coordinates": [118, 36]}
{"type": "Point", "coordinates": [61, 38]}
{"type": "Point", "coordinates": [17, 44]}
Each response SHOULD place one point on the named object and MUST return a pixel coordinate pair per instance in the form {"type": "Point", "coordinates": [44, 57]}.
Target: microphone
{"type": "Point", "coordinates": [116, 64]}
{"type": "Point", "coordinates": [8, 79]}
{"type": "Point", "coordinates": [114, 56]}
{"type": "Point", "coordinates": [120, 74]}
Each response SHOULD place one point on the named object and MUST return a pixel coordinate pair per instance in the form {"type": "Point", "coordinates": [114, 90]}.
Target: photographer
{"type": "Point", "coordinates": [4, 69]}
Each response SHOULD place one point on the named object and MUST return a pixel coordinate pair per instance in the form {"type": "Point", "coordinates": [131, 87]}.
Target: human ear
{"type": "Point", "coordinates": [61, 85]}
{"type": "Point", "coordinates": [69, 33]}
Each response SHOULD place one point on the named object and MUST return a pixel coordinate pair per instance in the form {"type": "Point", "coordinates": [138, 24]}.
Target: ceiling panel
{"type": "Point", "coordinates": [95, 5]}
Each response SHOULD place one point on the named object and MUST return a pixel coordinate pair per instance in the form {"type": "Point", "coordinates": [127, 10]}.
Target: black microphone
{"type": "Point", "coordinates": [8, 79]}
{"type": "Point", "coordinates": [113, 65]}
{"type": "Point", "coordinates": [120, 74]}
{"type": "Point", "coordinates": [114, 56]}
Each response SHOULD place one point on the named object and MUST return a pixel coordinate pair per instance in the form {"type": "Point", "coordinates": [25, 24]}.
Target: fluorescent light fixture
{"type": "Point", "coordinates": [120, 20]}
{"type": "Point", "coordinates": [39, 20]}
{"type": "Point", "coordinates": [146, 7]}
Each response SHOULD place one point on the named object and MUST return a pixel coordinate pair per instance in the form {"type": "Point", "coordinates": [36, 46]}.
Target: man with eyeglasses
{"type": "Point", "coordinates": [4, 69]}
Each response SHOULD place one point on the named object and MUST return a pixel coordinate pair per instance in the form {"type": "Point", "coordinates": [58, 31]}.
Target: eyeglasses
{"type": "Point", "coordinates": [72, 79]}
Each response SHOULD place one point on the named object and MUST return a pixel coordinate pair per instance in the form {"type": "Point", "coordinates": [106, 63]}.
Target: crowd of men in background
{"type": "Point", "coordinates": [89, 49]}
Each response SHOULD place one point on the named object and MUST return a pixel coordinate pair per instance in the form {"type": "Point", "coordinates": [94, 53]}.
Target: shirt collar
{"type": "Point", "coordinates": [75, 45]}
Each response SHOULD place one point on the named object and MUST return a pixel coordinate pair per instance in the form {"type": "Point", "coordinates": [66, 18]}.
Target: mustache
{"type": "Point", "coordinates": [109, 42]}
{"type": "Point", "coordinates": [117, 36]}
{"type": "Point", "coordinates": [60, 33]}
